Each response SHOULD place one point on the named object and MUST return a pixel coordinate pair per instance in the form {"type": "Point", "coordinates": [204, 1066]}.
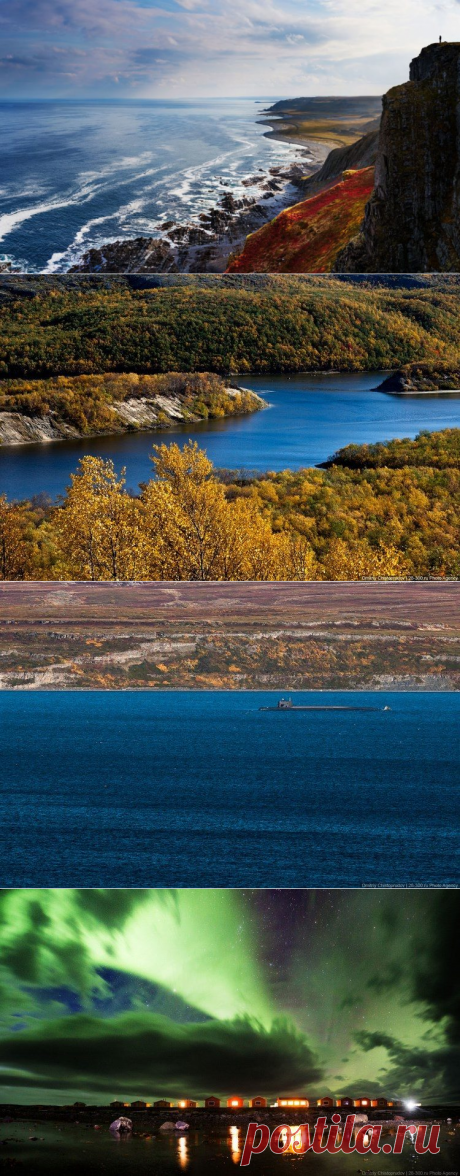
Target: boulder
{"type": "Point", "coordinates": [121, 1126]}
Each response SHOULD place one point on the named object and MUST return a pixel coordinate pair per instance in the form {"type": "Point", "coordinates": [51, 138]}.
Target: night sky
{"type": "Point", "coordinates": [130, 994]}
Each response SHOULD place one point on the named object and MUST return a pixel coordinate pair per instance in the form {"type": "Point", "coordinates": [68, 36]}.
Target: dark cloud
{"type": "Point", "coordinates": [434, 1073]}
{"type": "Point", "coordinates": [432, 983]}
{"type": "Point", "coordinates": [113, 907]}
{"type": "Point", "coordinates": [145, 1052]}
{"type": "Point", "coordinates": [388, 977]}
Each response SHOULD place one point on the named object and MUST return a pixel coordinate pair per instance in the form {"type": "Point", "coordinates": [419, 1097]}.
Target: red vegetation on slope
{"type": "Point", "coordinates": [307, 237]}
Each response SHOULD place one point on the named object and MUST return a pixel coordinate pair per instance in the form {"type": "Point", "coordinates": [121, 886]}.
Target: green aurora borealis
{"type": "Point", "coordinates": [183, 993]}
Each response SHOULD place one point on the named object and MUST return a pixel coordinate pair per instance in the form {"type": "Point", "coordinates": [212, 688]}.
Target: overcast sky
{"type": "Point", "coordinates": [205, 48]}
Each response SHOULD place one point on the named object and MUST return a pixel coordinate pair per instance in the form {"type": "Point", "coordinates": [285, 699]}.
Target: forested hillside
{"type": "Point", "coordinates": [193, 523]}
{"type": "Point", "coordinates": [225, 325]}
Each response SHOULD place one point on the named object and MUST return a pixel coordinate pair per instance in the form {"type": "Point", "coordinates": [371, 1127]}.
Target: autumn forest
{"type": "Point", "coordinates": [374, 511]}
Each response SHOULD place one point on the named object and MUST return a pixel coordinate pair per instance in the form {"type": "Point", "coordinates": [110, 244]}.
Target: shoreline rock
{"type": "Point", "coordinates": [202, 247]}
{"type": "Point", "coordinates": [156, 413]}
{"type": "Point", "coordinates": [421, 380]}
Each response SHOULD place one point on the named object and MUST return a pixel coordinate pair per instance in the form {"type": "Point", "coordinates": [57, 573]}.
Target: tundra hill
{"type": "Point", "coordinates": [230, 636]}
{"type": "Point", "coordinates": [235, 323]}
{"type": "Point", "coordinates": [308, 236]}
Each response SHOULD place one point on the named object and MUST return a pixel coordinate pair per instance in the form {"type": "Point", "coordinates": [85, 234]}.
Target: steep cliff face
{"type": "Point", "coordinates": [412, 221]}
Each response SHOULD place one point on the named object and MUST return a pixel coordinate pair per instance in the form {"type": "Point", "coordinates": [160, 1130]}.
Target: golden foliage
{"type": "Point", "coordinates": [14, 549]}
{"type": "Point", "coordinates": [187, 525]}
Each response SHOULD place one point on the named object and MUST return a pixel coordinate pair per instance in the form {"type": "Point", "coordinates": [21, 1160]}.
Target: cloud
{"type": "Point", "coordinates": [433, 1066]}
{"type": "Point", "coordinates": [40, 945]}
{"type": "Point", "coordinates": [148, 1053]}
{"type": "Point", "coordinates": [248, 47]}
{"type": "Point", "coordinates": [431, 1073]}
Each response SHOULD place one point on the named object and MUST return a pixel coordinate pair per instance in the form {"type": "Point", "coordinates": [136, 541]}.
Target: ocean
{"type": "Point", "coordinates": [203, 789]}
{"type": "Point", "coordinates": [77, 174]}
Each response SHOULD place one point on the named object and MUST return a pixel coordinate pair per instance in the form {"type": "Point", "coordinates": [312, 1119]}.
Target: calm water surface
{"type": "Point", "coordinates": [308, 417]}
{"type": "Point", "coordinates": [78, 1149]}
{"type": "Point", "coordinates": [203, 789]}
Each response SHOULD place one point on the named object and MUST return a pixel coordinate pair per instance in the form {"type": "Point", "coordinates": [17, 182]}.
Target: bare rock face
{"type": "Point", "coordinates": [412, 221]}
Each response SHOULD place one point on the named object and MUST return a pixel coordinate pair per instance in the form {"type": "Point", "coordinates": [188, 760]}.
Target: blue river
{"type": "Point", "coordinates": [194, 788]}
{"type": "Point", "coordinates": [306, 419]}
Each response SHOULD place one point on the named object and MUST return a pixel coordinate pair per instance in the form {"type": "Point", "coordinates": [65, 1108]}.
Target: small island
{"type": "Point", "coordinates": [67, 407]}
{"type": "Point", "coordinates": [421, 379]}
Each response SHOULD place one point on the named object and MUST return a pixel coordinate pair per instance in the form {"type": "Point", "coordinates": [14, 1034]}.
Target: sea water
{"type": "Point", "coordinates": [190, 788]}
{"type": "Point", "coordinates": [78, 174]}
{"type": "Point", "coordinates": [75, 1149]}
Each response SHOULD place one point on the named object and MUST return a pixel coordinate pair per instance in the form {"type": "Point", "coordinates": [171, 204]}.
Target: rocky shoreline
{"type": "Point", "coordinates": [134, 414]}
{"type": "Point", "coordinates": [206, 245]}
{"type": "Point", "coordinates": [421, 380]}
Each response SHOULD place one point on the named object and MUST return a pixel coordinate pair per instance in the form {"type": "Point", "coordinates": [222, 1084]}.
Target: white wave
{"type": "Point", "coordinates": [73, 251]}
{"type": "Point", "coordinates": [10, 220]}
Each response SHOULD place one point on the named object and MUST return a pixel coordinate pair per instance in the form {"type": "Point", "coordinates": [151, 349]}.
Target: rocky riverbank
{"type": "Point", "coordinates": [64, 408]}
{"type": "Point", "coordinates": [419, 379]}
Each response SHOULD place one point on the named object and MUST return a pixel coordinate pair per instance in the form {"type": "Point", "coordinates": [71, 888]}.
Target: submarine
{"type": "Point", "coordinates": [286, 704]}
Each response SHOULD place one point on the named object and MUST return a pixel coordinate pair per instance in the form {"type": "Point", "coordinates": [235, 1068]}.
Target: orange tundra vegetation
{"type": "Point", "coordinates": [307, 237]}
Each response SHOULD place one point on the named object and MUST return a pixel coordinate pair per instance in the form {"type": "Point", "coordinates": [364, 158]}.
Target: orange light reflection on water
{"type": "Point", "coordinates": [182, 1151]}
{"type": "Point", "coordinates": [235, 1146]}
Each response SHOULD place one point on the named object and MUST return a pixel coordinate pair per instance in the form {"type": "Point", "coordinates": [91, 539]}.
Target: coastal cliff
{"type": "Point", "coordinates": [412, 221]}
{"type": "Point", "coordinates": [63, 407]}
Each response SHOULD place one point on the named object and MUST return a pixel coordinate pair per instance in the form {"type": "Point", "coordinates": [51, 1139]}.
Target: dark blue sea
{"type": "Point", "coordinates": [77, 174]}
{"type": "Point", "coordinates": [306, 419]}
{"type": "Point", "coordinates": [203, 789]}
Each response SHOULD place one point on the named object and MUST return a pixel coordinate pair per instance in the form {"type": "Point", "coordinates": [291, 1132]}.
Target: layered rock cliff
{"type": "Point", "coordinates": [412, 221]}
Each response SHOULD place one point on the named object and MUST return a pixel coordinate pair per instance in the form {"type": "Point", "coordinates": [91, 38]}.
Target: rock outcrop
{"type": "Point", "coordinates": [202, 247]}
{"type": "Point", "coordinates": [412, 221]}
{"type": "Point", "coordinates": [134, 413]}
{"type": "Point", "coordinates": [357, 155]}
{"type": "Point", "coordinates": [421, 379]}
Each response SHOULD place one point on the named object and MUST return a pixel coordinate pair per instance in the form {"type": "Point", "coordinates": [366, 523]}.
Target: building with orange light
{"type": "Point", "coordinates": [186, 1104]}
{"type": "Point", "coordinates": [325, 1102]}
{"type": "Point", "coordinates": [235, 1102]}
{"type": "Point", "coordinates": [289, 1100]}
